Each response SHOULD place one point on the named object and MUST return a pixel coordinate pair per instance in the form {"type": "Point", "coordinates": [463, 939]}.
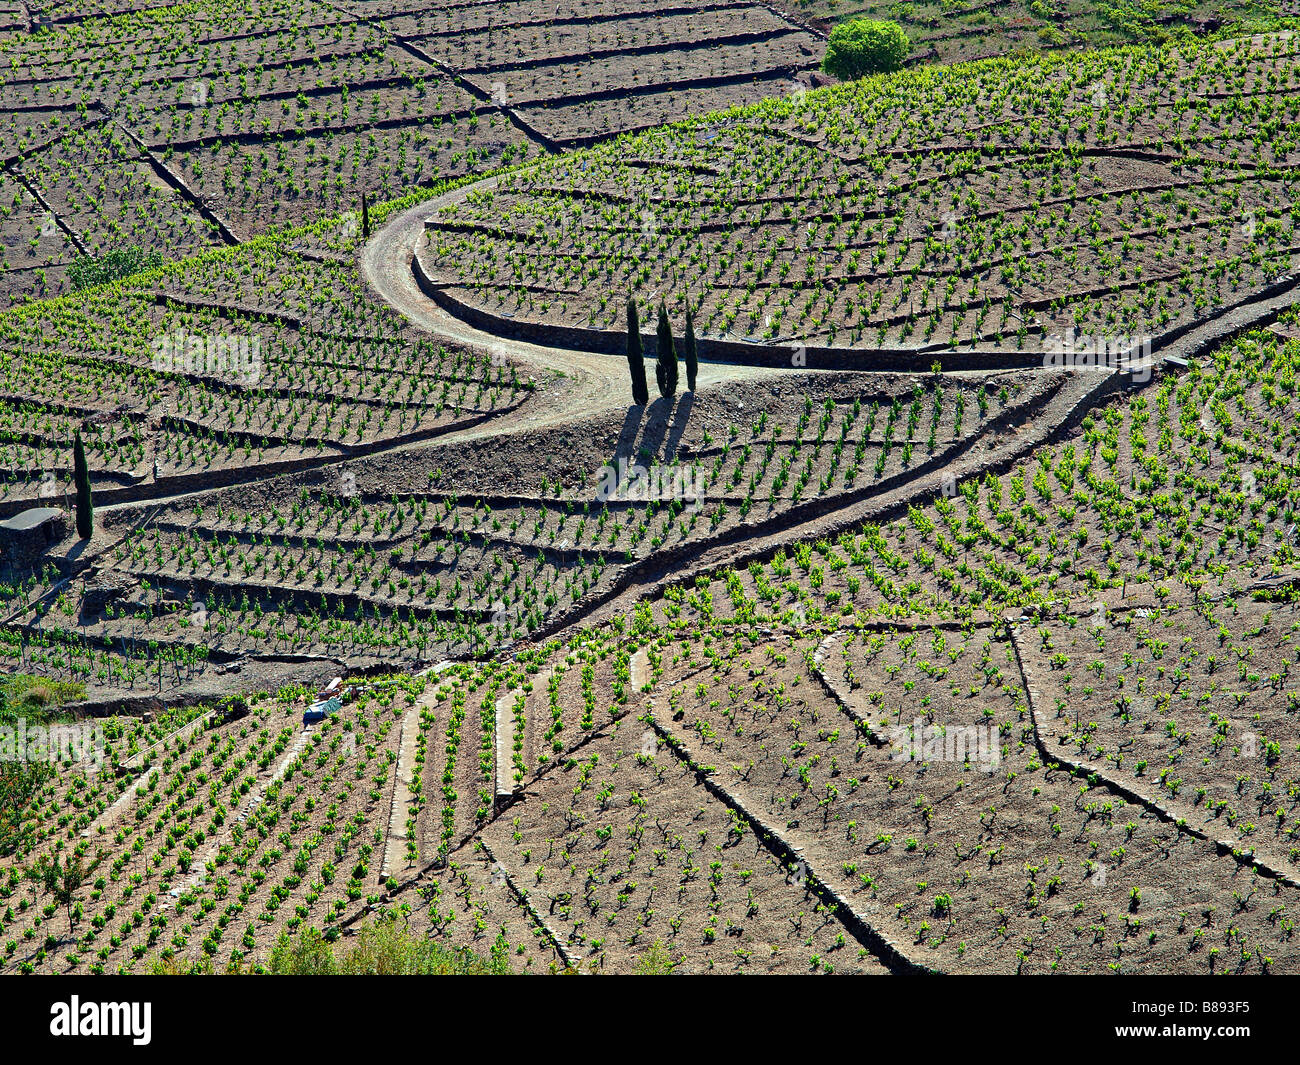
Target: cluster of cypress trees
{"type": "Point", "coordinates": [666, 372]}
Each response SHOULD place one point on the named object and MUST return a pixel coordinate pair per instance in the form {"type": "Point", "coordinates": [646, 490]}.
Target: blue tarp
{"type": "Point", "coordinates": [318, 711]}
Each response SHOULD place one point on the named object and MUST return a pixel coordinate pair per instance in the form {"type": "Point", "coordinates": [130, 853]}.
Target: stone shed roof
{"type": "Point", "coordinates": [30, 519]}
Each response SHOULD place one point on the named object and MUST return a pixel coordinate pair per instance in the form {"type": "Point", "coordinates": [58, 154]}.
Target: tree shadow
{"type": "Point", "coordinates": [680, 418]}
{"type": "Point", "coordinates": [656, 426]}
{"type": "Point", "coordinates": [627, 435]}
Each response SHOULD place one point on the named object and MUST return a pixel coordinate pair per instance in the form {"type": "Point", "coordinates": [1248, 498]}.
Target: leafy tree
{"type": "Point", "coordinates": [81, 479]}
{"type": "Point", "coordinates": [19, 784]}
{"type": "Point", "coordinates": [690, 354]}
{"type": "Point", "coordinates": [864, 46]}
{"type": "Point", "coordinates": [635, 358]}
{"type": "Point", "coordinates": [62, 878]}
{"type": "Point", "coordinates": [666, 366]}
{"type": "Point", "coordinates": [32, 698]}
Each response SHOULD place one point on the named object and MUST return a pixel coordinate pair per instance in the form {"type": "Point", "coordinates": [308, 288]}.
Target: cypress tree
{"type": "Point", "coordinates": [635, 358]}
{"type": "Point", "coordinates": [365, 217]}
{"type": "Point", "coordinates": [81, 480]}
{"type": "Point", "coordinates": [666, 366]}
{"type": "Point", "coordinates": [689, 352]}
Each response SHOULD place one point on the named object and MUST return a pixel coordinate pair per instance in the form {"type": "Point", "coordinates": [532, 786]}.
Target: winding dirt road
{"type": "Point", "coordinates": [589, 383]}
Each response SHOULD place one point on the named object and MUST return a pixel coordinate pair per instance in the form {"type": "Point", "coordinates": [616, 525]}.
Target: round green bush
{"type": "Point", "coordinates": [864, 46]}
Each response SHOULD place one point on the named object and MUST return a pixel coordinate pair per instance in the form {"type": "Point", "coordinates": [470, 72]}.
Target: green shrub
{"type": "Point", "coordinates": [88, 270]}
{"type": "Point", "coordinates": [382, 949]}
{"type": "Point", "coordinates": [864, 46]}
{"type": "Point", "coordinates": [307, 954]}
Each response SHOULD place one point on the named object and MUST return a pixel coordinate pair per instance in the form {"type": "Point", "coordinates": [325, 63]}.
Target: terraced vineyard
{"type": "Point", "coordinates": [767, 743]}
{"type": "Point", "coordinates": [288, 820]}
{"type": "Point", "coordinates": [192, 383]}
{"type": "Point", "coordinates": [177, 127]}
{"type": "Point", "coordinates": [1121, 193]}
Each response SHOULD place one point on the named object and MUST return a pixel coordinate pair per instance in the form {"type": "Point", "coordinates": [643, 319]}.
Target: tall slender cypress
{"type": "Point", "coordinates": [635, 358]}
{"type": "Point", "coordinates": [81, 480]}
{"type": "Point", "coordinates": [666, 366]}
{"type": "Point", "coordinates": [689, 352]}
{"type": "Point", "coordinates": [365, 217]}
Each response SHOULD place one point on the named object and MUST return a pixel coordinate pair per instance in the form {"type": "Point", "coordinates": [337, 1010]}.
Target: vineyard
{"type": "Point", "coordinates": [178, 127]}
{"type": "Point", "coordinates": [968, 738]}
{"type": "Point", "coordinates": [1125, 193]}
{"type": "Point", "coordinates": [906, 631]}
{"type": "Point", "coordinates": [175, 385]}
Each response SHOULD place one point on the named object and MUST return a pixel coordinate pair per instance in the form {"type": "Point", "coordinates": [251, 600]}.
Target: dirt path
{"type": "Point", "coordinates": [570, 385]}
{"type": "Point", "coordinates": [395, 854]}
{"type": "Point", "coordinates": [120, 806]}
{"type": "Point", "coordinates": [504, 738]}
{"type": "Point", "coordinates": [639, 669]}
